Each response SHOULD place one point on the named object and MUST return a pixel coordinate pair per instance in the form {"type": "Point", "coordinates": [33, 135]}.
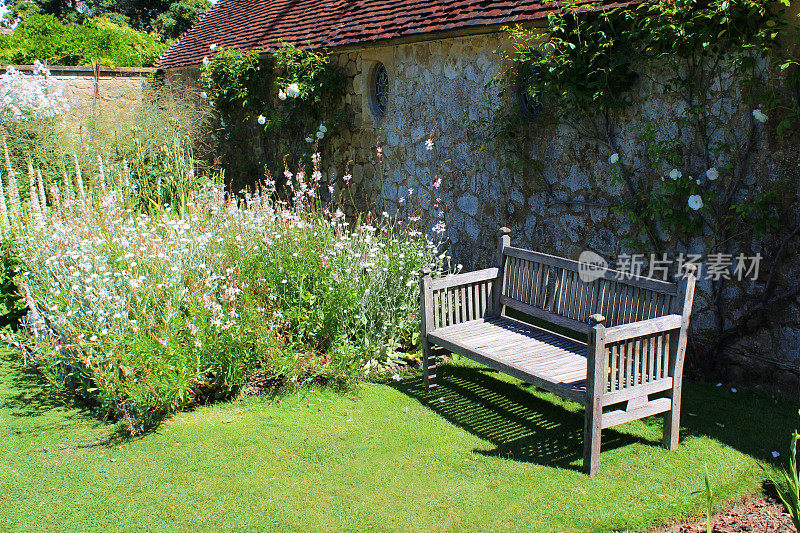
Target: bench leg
{"type": "Point", "coordinates": [591, 439]}
{"type": "Point", "coordinates": [672, 423]}
{"type": "Point", "coordinates": [428, 366]}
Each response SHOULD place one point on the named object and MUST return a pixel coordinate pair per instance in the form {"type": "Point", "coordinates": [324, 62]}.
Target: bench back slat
{"type": "Point", "coordinates": [454, 304]}
{"type": "Point", "coordinates": [533, 280]}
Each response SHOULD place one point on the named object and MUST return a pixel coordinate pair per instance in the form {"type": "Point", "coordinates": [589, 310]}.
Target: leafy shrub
{"type": "Point", "coordinates": [150, 312]}
{"type": "Point", "coordinates": [787, 483]}
{"type": "Point", "coordinates": [12, 307]}
{"type": "Point", "coordinates": [290, 100]}
{"type": "Point", "coordinates": [100, 40]}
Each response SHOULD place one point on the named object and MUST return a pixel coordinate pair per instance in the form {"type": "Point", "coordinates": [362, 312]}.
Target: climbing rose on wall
{"type": "Point", "coordinates": [759, 115]}
{"type": "Point", "coordinates": [695, 202]}
{"type": "Point", "coordinates": [293, 90]}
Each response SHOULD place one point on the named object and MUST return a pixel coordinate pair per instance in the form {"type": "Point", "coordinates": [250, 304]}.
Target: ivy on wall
{"type": "Point", "coordinates": [689, 174]}
{"type": "Point", "coordinates": [290, 100]}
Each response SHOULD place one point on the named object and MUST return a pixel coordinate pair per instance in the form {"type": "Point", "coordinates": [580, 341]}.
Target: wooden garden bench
{"type": "Point", "coordinates": [635, 330]}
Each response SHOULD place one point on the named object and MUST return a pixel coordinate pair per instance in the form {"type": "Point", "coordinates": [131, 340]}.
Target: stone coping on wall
{"type": "Point", "coordinates": [87, 70]}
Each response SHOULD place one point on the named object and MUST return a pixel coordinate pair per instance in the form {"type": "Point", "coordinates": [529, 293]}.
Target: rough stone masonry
{"type": "Point", "coordinates": [439, 90]}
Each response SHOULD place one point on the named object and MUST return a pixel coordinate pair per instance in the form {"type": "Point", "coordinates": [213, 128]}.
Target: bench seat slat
{"type": "Point", "coordinates": [535, 355]}
{"type": "Point", "coordinates": [542, 314]}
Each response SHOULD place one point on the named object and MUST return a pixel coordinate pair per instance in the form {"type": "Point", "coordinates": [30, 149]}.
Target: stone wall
{"type": "Point", "coordinates": [438, 89]}
{"type": "Point", "coordinates": [111, 92]}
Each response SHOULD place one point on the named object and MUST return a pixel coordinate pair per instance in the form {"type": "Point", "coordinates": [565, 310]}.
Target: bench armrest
{"type": "Point", "coordinates": [633, 360]}
{"type": "Point", "coordinates": [643, 328]}
{"type": "Point", "coordinates": [456, 280]}
{"type": "Point", "coordinates": [456, 298]}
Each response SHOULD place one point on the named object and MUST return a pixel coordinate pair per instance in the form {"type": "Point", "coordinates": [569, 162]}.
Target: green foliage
{"type": "Point", "coordinates": [180, 16]}
{"type": "Point", "coordinates": [787, 483]}
{"type": "Point", "coordinates": [46, 38]}
{"type": "Point", "coordinates": [246, 90]}
{"type": "Point", "coordinates": [169, 17]}
{"type": "Point", "coordinates": [586, 68]}
{"type": "Point", "coordinates": [177, 291]}
{"type": "Point", "coordinates": [231, 79]}
{"type": "Point", "coordinates": [709, 496]}
{"type": "Point", "coordinates": [12, 306]}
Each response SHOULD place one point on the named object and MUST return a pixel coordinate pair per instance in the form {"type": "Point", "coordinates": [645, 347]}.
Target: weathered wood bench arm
{"type": "Point", "coordinates": [456, 298]}
{"type": "Point", "coordinates": [449, 301]}
{"type": "Point", "coordinates": [643, 328]}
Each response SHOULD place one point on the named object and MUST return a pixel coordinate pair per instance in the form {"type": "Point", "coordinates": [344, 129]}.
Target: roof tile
{"type": "Point", "coordinates": [262, 24]}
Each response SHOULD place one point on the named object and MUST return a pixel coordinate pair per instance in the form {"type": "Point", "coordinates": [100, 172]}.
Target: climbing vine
{"type": "Point", "coordinates": [289, 99]}
{"type": "Point", "coordinates": [690, 172]}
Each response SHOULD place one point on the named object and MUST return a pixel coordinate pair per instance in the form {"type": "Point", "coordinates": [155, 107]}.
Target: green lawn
{"type": "Point", "coordinates": [481, 454]}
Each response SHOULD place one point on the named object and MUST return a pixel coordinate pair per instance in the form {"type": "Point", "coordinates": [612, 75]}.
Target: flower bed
{"type": "Point", "coordinates": [149, 312]}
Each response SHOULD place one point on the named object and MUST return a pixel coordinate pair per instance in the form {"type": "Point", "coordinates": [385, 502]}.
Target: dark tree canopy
{"type": "Point", "coordinates": [168, 17]}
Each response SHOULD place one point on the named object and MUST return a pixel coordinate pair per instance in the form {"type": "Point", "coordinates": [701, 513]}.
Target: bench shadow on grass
{"type": "Point", "coordinates": [521, 426]}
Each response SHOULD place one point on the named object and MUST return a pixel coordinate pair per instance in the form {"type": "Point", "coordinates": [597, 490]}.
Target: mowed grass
{"type": "Point", "coordinates": [480, 454]}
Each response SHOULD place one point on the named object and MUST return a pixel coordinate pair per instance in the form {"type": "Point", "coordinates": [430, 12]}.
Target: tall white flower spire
{"type": "Point", "coordinates": [42, 192]}
{"type": "Point", "coordinates": [33, 197]}
{"type": "Point", "coordinates": [67, 193]}
{"type": "Point", "coordinates": [5, 223]}
{"type": "Point", "coordinates": [101, 169]}
{"type": "Point", "coordinates": [79, 181]}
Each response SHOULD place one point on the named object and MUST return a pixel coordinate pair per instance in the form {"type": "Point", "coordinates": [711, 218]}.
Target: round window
{"type": "Point", "coordinates": [380, 90]}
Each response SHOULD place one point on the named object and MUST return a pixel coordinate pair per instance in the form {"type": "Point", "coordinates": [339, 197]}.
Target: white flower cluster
{"type": "Point", "coordinates": [36, 95]}
{"type": "Point", "coordinates": [292, 91]}
{"type": "Point", "coordinates": [96, 268]}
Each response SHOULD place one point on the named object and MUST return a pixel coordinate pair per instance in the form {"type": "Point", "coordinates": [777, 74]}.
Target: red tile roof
{"type": "Point", "coordinates": [261, 24]}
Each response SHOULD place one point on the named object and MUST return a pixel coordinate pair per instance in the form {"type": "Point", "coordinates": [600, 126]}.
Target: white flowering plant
{"type": "Point", "coordinates": [36, 95]}
{"type": "Point", "coordinates": [149, 312]}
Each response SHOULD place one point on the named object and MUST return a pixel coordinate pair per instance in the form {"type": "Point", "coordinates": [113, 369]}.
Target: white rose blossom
{"type": "Point", "coordinates": [695, 202]}
{"type": "Point", "coordinates": [293, 90]}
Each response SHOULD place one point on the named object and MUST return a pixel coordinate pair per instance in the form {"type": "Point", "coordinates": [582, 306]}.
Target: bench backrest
{"type": "Point", "coordinates": [550, 288]}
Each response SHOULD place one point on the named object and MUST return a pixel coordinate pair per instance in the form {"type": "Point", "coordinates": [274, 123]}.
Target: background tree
{"type": "Point", "coordinates": [168, 17]}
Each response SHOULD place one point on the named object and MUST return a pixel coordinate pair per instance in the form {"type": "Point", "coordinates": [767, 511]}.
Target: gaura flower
{"type": "Point", "coordinates": [309, 139]}
{"type": "Point", "coordinates": [712, 174]}
{"type": "Point", "coordinates": [695, 202]}
{"type": "Point", "coordinates": [206, 61]}
{"type": "Point", "coordinates": [213, 47]}
{"type": "Point", "coordinates": [759, 115]}
{"type": "Point", "coordinates": [281, 94]}
{"type": "Point", "coordinates": [429, 144]}
{"type": "Point", "coordinates": [614, 158]}
{"type": "Point", "coordinates": [675, 173]}
{"type": "Point", "coordinates": [320, 135]}
{"type": "Point", "coordinates": [323, 129]}
{"type": "Point", "coordinates": [262, 119]}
